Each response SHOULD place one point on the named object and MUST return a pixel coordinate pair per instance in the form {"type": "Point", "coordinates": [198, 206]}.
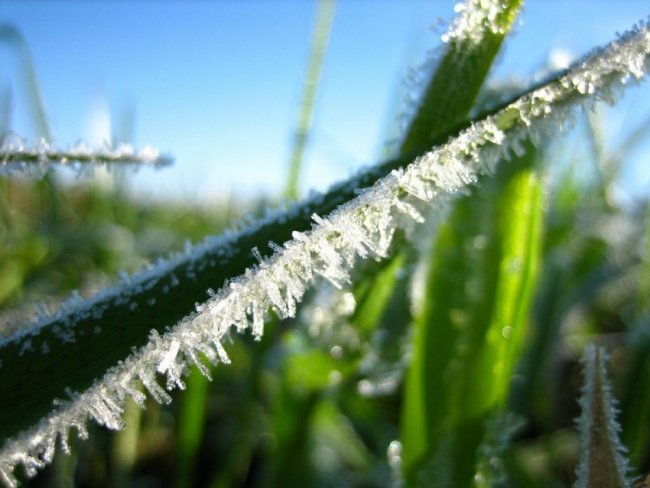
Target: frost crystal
{"type": "Point", "coordinates": [362, 227]}
{"type": "Point", "coordinates": [474, 19]}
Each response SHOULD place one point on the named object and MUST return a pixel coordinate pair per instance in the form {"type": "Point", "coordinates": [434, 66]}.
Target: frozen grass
{"type": "Point", "coordinates": [91, 356]}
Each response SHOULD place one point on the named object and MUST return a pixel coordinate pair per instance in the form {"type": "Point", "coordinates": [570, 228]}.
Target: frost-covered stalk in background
{"type": "Point", "coordinates": [17, 156]}
{"type": "Point", "coordinates": [602, 456]}
{"type": "Point", "coordinates": [362, 227]}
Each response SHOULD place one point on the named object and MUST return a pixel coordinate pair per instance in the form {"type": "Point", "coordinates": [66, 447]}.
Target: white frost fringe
{"type": "Point", "coordinates": [474, 20]}
{"type": "Point", "coordinates": [362, 227]}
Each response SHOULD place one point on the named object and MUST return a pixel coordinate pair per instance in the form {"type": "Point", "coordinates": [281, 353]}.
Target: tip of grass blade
{"type": "Point", "coordinates": [602, 455]}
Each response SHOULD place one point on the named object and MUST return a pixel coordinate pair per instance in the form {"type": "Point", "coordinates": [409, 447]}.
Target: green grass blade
{"type": "Point", "coordinates": [319, 42]}
{"type": "Point", "coordinates": [189, 430]}
{"type": "Point", "coordinates": [472, 45]}
{"type": "Point", "coordinates": [636, 402]}
{"type": "Point", "coordinates": [125, 446]}
{"type": "Point", "coordinates": [520, 223]}
{"type": "Point", "coordinates": [373, 295]}
{"type": "Point", "coordinates": [468, 334]}
{"type": "Point", "coordinates": [571, 276]}
{"type": "Point", "coordinates": [10, 35]}
{"type": "Point", "coordinates": [448, 99]}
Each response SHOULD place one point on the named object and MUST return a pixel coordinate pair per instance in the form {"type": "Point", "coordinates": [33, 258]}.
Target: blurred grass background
{"type": "Point", "coordinates": [454, 363]}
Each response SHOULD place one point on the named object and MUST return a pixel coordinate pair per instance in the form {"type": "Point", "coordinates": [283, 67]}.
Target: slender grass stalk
{"type": "Point", "coordinates": [17, 156]}
{"type": "Point", "coordinates": [319, 42]}
{"type": "Point", "coordinates": [12, 36]}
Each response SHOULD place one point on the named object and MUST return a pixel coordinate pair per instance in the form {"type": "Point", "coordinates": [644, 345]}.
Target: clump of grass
{"type": "Point", "coordinates": [438, 349]}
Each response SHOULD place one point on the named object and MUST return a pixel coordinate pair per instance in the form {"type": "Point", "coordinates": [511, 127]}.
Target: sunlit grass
{"type": "Point", "coordinates": [454, 362]}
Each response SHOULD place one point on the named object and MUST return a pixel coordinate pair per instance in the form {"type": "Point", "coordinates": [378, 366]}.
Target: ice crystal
{"type": "Point", "coordinates": [362, 227]}
{"type": "Point", "coordinates": [17, 156]}
{"type": "Point", "coordinates": [395, 460]}
{"type": "Point", "coordinates": [474, 19]}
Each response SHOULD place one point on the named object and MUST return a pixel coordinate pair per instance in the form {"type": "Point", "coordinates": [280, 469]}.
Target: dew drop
{"type": "Point", "coordinates": [394, 452]}
{"type": "Point", "coordinates": [334, 378]}
{"type": "Point", "coordinates": [506, 332]}
{"type": "Point", "coordinates": [336, 352]}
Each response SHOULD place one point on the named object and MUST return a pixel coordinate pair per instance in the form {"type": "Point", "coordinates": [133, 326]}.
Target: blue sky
{"type": "Point", "coordinates": [218, 84]}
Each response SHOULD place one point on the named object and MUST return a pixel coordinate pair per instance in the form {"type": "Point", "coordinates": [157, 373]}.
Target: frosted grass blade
{"type": "Point", "coordinates": [472, 44]}
{"type": "Point", "coordinates": [602, 456]}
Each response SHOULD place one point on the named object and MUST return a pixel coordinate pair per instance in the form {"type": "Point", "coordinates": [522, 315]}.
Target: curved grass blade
{"type": "Point", "coordinates": [636, 402]}
{"type": "Point", "coordinates": [468, 334]}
